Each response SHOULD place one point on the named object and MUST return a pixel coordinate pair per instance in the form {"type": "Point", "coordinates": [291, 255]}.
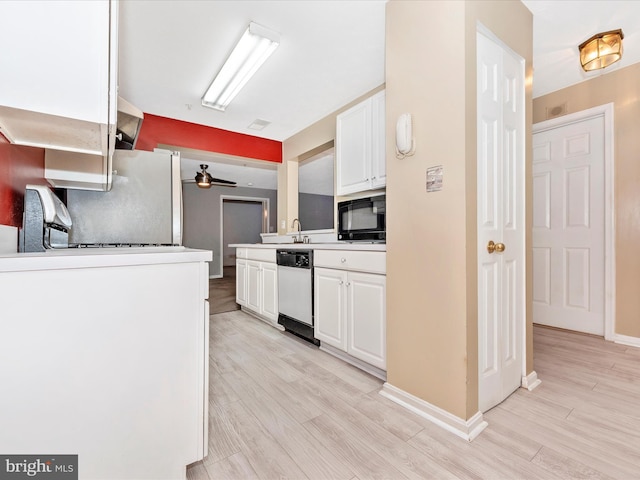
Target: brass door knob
{"type": "Point", "coordinates": [495, 247]}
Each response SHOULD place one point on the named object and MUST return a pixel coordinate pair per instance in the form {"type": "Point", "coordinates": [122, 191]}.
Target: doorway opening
{"type": "Point", "coordinates": [573, 234]}
{"type": "Point", "coordinates": [242, 220]}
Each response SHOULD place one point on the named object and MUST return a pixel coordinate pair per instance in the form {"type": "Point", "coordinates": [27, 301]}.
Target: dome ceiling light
{"type": "Point", "coordinates": [601, 50]}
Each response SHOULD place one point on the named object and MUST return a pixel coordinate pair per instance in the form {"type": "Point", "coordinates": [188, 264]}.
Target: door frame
{"type": "Point", "coordinates": [265, 221]}
{"type": "Point", "coordinates": [606, 112]}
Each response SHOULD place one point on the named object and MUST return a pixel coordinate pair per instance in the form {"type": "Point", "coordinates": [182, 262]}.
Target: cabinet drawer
{"type": "Point", "coordinates": [241, 253]}
{"type": "Point", "coordinates": [262, 254]}
{"type": "Point", "coordinates": [373, 262]}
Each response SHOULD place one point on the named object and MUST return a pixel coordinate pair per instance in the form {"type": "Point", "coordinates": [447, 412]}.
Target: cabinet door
{"type": "Point", "coordinates": [353, 149]}
{"type": "Point", "coordinates": [330, 308]}
{"type": "Point", "coordinates": [241, 282]}
{"type": "Point", "coordinates": [367, 335]}
{"type": "Point", "coordinates": [59, 76]}
{"type": "Point", "coordinates": [270, 291]}
{"type": "Point", "coordinates": [58, 62]}
{"type": "Point", "coordinates": [378, 152]}
{"type": "Point", "coordinates": [253, 286]}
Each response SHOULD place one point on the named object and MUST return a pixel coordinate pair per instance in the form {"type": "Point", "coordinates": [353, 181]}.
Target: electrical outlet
{"type": "Point", "coordinates": [283, 224]}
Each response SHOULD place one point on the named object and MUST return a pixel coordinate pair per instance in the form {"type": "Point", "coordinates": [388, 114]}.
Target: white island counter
{"type": "Point", "coordinates": [104, 354]}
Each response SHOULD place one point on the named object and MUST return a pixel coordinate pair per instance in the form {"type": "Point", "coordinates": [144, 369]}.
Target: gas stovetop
{"type": "Point", "coordinates": [118, 245]}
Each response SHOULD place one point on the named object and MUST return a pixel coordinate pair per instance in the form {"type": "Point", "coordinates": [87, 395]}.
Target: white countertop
{"type": "Point", "coordinates": [361, 246]}
{"type": "Point", "coordinates": [100, 257]}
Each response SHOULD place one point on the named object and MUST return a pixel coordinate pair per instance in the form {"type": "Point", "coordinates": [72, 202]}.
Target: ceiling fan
{"type": "Point", "coordinates": [205, 180]}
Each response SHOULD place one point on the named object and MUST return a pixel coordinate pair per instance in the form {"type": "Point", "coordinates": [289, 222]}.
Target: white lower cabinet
{"type": "Point", "coordinates": [366, 320]}
{"type": "Point", "coordinates": [330, 316]}
{"type": "Point", "coordinates": [257, 283]}
{"type": "Point", "coordinates": [241, 282]}
{"type": "Point", "coordinates": [349, 300]}
{"type": "Point", "coordinates": [141, 358]}
{"type": "Point", "coordinates": [269, 290]}
{"type": "Point", "coordinates": [350, 313]}
{"type": "Point", "coordinates": [254, 287]}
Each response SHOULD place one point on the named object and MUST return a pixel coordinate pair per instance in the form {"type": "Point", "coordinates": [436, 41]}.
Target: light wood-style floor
{"type": "Point", "coordinates": [222, 292]}
{"type": "Point", "coordinates": [280, 408]}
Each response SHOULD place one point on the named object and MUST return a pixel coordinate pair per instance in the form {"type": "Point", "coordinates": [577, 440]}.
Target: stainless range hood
{"type": "Point", "coordinates": [128, 125]}
{"type": "Point", "coordinates": [66, 168]}
{"type": "Point", "coordinates": [37, 129]}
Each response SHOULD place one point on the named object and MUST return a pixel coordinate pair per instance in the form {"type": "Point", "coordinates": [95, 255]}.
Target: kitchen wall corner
{"type": "Point", "coordinates": [19, 166]}
{"type": "Point", "coordinates": [432, 299]}
{"type": "Point", "coordinates": [320, 133]}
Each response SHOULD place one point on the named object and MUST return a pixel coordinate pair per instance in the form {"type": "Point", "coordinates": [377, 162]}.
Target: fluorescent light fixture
{"type": "Point", "coordinates": [255, 46]}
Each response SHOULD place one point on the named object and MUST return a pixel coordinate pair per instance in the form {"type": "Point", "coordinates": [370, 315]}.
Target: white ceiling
{"type": "Point", "coordinates": [331, 52]}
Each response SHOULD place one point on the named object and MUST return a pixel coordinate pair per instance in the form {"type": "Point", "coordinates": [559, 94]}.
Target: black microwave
{"type": "Point", "coordinates": [363, 219]}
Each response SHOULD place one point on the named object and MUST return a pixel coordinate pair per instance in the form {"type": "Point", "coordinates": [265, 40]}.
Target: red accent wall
{"type": "Point", "coordinates": [19, 166]}
{"type": "Point", "coordinates": [167, 131]}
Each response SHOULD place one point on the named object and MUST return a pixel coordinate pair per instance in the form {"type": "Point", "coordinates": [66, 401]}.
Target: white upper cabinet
{"type": "Point", "coordinates": [360, 146]}
{"type": "Point", "coordinates": [58, 74]}
{"type": "Point", "coordinates": [353, 149]}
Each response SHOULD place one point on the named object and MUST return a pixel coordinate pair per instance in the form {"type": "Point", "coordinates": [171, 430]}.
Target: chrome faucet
{"type": "Point", "coordinates": [299, 239]}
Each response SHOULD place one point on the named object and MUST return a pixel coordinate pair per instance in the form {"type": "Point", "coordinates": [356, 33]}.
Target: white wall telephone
{"type": "Point", "coordinates": [405, 145]}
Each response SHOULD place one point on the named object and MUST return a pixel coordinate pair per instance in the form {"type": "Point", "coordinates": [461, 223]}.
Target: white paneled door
{"type": "Point", "coordinates": [501, 154]}
{"type": "Point", "coordinates": [568, 226]}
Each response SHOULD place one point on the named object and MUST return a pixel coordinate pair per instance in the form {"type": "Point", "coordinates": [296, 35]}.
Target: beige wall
{"type": "Point", "coordinates": [622, 87]}
{"type": "Point", "coordinates": [320, 133]}
{"type": "Point", "coordinates": [431, 245]}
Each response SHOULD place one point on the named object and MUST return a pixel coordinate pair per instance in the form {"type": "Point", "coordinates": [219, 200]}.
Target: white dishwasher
{"type": "Point", "coordinates": [295, 292]}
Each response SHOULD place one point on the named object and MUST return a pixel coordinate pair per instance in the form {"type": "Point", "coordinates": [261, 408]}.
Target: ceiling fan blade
{"type": "Point", "coordinates": [222, 181]}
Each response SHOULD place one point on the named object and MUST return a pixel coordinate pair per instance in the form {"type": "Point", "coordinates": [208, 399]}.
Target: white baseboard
{"type": "Point", "coordinates": [370, 369]}
{"type": "Point", "coordinates": [467, 429]}
{"type": "Point", "coordinates": [268, 321]}
{"type": "Point", "coordinates": [531, 381]}
{"type": "Point", "coordinates": [626, 340]}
